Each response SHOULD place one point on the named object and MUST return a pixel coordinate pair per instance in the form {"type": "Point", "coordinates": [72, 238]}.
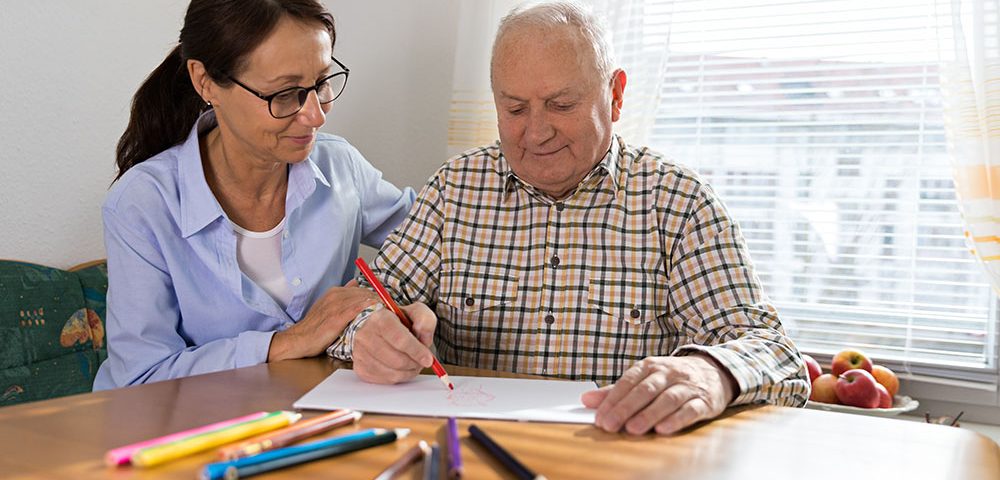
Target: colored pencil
{"type": "Point", "coordinates": [289, 456]}
{"type": "Point", "coordinates": [152, 456]}
{"type": "Point", "coordinates": [123, 455]}
{"type": "Point", "coordinates": [454, 450]}
{"type": "Point", "coordinates": [432, 463]}
{"type": "Point", "coordinates": [419, 451]}
{"type": "Point", "coordinates": [391, 304]}
{"type": "Point", "coordinates": [290, 434]}
{"type": "Point", "coordinates": [520, 471]}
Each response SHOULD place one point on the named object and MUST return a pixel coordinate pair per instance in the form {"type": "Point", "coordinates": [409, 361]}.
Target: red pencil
{"type": "Point", "coordinates": [387, 300]}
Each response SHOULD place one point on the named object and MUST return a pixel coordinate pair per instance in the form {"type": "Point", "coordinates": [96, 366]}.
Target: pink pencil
{"type": "Point", "coordinates": [122, 455]}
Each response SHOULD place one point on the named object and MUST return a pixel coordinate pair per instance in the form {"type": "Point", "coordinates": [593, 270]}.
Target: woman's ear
{"type": "Point", "coordinates": [201, 81]}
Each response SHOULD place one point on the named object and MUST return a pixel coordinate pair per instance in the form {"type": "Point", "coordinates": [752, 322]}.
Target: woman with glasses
{"type": "Point", "coordinates": [233, 222]}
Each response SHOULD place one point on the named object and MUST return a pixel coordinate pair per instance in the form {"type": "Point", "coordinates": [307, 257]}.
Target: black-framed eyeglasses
{"type": "Point", "coordinates": [288, 102]}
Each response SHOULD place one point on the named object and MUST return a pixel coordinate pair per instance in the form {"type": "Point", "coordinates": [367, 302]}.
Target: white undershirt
{"type": "Point", "coordinates": [259, 256]}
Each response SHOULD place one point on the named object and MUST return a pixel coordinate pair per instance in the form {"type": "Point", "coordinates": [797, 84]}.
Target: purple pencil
{"type": "Point", "coordinates": [454, 450]}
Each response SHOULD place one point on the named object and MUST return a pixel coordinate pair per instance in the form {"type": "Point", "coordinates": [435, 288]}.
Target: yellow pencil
{"type": "Point", "coordinates": [152, 456]}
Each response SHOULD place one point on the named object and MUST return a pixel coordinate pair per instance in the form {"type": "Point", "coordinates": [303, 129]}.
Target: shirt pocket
{"type": "Point", "coordinates": [470, 292]}
{"type": "Point", "coordinates": [637, 299]}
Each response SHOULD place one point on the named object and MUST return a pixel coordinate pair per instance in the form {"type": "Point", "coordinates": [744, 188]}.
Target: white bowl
{"type": "Point", "coordinates": [900, 404]}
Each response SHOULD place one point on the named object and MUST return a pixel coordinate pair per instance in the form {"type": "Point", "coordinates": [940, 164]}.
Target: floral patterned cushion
{"type": "Point", "coordinates": [51, 330]}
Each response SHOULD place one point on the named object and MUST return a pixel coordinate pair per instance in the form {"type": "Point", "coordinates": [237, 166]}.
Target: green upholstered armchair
{"type": "Point", "coordinates": [51, 329]}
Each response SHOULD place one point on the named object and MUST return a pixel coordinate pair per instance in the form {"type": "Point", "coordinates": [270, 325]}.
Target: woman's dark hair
{"type": "Point", "coordinates": [220, 34]}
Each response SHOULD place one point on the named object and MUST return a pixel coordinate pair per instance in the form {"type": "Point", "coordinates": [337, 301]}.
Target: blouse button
{"type": "Point", "coordinates": [296, 282]}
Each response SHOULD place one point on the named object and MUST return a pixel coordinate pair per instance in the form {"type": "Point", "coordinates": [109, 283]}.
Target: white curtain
{"type": "Point", "coordinates": [472, 119]}
{"type": "Point", "coordinates": [970, 82]}
{"type": "Point", "coordinates": [639, 33]}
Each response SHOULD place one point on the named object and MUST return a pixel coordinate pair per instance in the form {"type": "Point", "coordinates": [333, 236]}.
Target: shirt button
{"type": "Point", "coordinates": [555, 260]}
{"type": "Point", "coordinates": [285, 234]}
{"type": "Point", "coordinates": [469, 301]}
{"type": "Point", "coordinates": [296, 282]}
{"type": "Point", "coordinates": [550, 319]}
{"type": "Point", "coordinates": [560, 206]}
{"type": "Point", "coordinates": [635, 313]}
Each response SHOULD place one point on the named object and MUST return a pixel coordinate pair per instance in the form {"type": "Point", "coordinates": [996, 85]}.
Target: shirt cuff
{"type": "Point", "coordinates": [252, 348]}
{"type": "Point", "coordinates": [343, 347]}
{"type": "Point", "coordinates": [748, 379]}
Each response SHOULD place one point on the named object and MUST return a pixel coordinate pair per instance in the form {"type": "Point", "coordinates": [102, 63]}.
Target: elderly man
{"type": "Point", "coordinates": [564, 251]}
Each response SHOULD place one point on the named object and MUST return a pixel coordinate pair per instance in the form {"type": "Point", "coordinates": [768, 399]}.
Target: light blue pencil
{"type": "Point", "coordinates": [286, 457]}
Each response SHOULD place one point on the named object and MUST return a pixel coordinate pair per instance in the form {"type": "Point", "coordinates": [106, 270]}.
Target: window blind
{"type": "Point", "coordinates": [820, 124]}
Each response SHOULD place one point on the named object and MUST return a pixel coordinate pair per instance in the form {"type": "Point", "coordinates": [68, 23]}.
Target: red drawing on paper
{"type": "Point", "coordinates": [470, 395]}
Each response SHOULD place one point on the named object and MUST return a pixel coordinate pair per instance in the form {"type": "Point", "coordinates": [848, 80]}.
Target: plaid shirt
{"type": "Point", "coordinates": [641, 260]}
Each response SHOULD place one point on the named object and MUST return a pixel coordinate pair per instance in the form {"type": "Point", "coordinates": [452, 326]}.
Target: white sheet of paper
{"type": "Point", "coordinates": [473, 397]}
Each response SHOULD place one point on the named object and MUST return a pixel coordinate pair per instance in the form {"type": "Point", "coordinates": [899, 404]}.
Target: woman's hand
{"type": "Point", "coordinates": [322, 324]}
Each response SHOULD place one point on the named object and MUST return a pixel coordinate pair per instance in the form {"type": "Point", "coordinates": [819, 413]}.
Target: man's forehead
{"type": "Point", "coordinates": [519, 38]}
{"type": "Point", "coordinates": [529, 57]}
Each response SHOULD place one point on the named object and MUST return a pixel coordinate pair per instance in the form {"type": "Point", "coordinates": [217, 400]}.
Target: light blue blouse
{"type": "Point", "coordinates": [178, 303]}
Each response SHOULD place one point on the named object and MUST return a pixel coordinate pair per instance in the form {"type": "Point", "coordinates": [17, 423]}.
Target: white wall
{"type": "Point", "coordinates": [68, 69]}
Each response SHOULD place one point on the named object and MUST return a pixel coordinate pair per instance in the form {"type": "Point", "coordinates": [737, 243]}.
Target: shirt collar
{"type": "Point", "coordinates": [610, 167]}
{"type": "Point", "coordinates": [198, 204]}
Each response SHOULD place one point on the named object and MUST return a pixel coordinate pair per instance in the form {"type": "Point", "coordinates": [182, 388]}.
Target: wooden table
{"type": "Point", "coordinates": [67, 437]}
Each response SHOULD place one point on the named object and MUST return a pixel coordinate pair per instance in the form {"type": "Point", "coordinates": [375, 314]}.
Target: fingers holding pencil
{"type": "Point", "coordinates": [425, 333]}
{"type": "Point", "coordinates": [386, 352]}
{"type": "Point", "coordinates": [424, 322]}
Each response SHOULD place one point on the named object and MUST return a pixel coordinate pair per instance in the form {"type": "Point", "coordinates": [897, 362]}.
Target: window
{"type": "Point", "coordinates": [820, 124]}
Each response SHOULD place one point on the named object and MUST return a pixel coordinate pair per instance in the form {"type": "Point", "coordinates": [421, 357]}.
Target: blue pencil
{"type": "Point", "coordinates": [289, 456]}
{"type": "Point", "coordinates": [520, 471]}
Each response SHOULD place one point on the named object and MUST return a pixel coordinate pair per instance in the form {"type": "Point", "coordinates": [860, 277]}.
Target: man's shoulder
{"type": "Point", "coordinates": [477, 157]}
{"type": "Point", "coordinates": [645, 162]}
{"type": "Point", "coordinates": [471, 165]}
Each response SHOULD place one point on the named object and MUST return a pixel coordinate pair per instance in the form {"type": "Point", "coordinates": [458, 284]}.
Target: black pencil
{"type": "Point", "coordinates": [522, 472]}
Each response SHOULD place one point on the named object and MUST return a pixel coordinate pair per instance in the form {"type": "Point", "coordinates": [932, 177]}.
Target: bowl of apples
{"type": "Point", "coordinates": [856, 385]}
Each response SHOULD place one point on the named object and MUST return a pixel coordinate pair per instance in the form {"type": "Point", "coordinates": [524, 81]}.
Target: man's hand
{"type": "Point", "coordinates": [665, 394]}
{"type": "Point", "coordinates": [324, 322]}
{"type": "Point", "coordinates": [386, 352]}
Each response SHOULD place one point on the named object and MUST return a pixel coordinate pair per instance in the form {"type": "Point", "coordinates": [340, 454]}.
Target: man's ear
{"type": "Point", "coordinates": [201, 81]}
{"type": "Point", "coordinates": [618, 80]}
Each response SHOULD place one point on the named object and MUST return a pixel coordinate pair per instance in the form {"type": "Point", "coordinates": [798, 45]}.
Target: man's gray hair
{"type": "Point", "coordinates": [552, 15]}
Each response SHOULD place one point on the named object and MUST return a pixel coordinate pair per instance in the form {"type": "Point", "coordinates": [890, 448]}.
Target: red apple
{"type": "Point", "coordinates": [824, 389]}
{"type": "Point", "coordinates": [884, 399]}
{"type": "Point", "coordinates": [849, 360]}
{"type": "Point", "coordinates": [857, 388]}
{"type": "Point", "coordinates": [887, 378]}
{"type": "Point", "coordinates": [813, 366]}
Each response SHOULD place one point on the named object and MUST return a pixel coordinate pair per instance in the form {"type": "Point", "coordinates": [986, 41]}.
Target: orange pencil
{"type": "Point", "coordinates": [290, 434]}
{"type": "Point", "coordinates": [387, 300]}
